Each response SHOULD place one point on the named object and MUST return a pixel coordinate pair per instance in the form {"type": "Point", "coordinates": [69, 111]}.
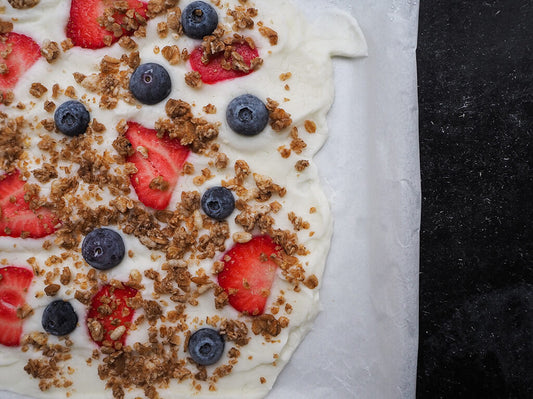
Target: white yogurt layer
{"type": "Point", "coordinates": [304, 50]}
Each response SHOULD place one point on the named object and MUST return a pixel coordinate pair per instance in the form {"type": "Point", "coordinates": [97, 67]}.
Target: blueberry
{"type": "Point", "coordinates": [199, 19]}
{"type": "Point", "coordinates": [206, 346]}
{"type": "Point", "coordinates": [150, 83]}
{"type": "Point", "coordinates": [247, 115]}
{"type": "Point", "coordinates": [218, 202]}
{"type": "Point", "coordinates": [59, 318]}
{"type": "Point", "coordinates": [72, 118]}
{"type": "Point", "coordinates": [103, 248]}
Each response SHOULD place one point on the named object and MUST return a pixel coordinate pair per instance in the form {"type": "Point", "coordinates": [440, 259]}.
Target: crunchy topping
{"type": "Point", "coordinates": [11, 142]}
{"type": "Point", "coordinates": [193, 79]}
{"type": "Point", "coordinates": [24, 311]}
{"type": "Point", "coordinates": [279, 118]}
{"type": "Point", "coordinates": [310, 126]}
{"type": "Point", "coordinates": [172, 54]}
{"type": "Point", "coordinates": [48, 368]}
{"type": "Point", "coordinates": [6, 98]}
{"type": "Point", "coordinates": [52, 289]}
{"type": "Point", "coordinates": [46, 173]}
{"type": "Point", "coordinates": [182, 125]}
{"type": "Point", "coordinates": [267, 325]}
{"type": "Point", "coordinates": [243, 18]}
{"type": "Point", "coordinates": [80, 176]}
{"type": "Point", "coordinates": [301, 165]}
{"type": "Point", "coordinates": [50, 51]}
{"type": "Point", "coordinates": [127, 43]}
{"type": "Point", "coordinates": [49, 106]}
{"type": "Point", "coordinates": [37, 90]}
{"type": "Point", "coordinates": [5, 26]}
{"type": "Point", "coordinates": [241, 237]}
{"type": "Point", "coordinates": [270, 34]}
{"type": "Point", "coordinates": [311, 282]}
{"type": "Point", "coordinates": [235, 331]}
{"type": "Point", "coordinates": [162, 29]}
{"type": "Point", "coordinates": [22, 4]}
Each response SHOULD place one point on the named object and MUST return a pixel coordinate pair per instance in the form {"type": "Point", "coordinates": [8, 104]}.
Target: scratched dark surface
{"type": "Point", "coordinates": [476, 116]}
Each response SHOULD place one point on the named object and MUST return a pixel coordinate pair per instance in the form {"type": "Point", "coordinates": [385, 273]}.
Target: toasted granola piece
{"type": "Point", "coordinates": [23, 4]}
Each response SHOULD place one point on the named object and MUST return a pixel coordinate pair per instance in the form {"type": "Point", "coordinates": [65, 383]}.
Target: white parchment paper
{"type": "Point", "coordinates": [364, 342]}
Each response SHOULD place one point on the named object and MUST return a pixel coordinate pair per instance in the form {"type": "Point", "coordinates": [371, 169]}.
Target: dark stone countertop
{"type": "Point", "coordinates": [476, 265]}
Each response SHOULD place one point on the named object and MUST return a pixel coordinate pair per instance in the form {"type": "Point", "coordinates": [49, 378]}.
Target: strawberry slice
{"type": "Point", "coordinates": [22, 51]}
{"type": "Point", "coordinates": [83, 26]}
{"type": "Point", "coordinates": [248, 274]}
{"type": "Point", "coordinates": [159, 162]}
{"type": "Point", "coordinates": [16, 217]}
{"type": "Point", "coordinates": [110, 309]}
{"type": "Point", "coordinates": [213, 72]}
{"type": "Point", "coordinates": [14, 283]}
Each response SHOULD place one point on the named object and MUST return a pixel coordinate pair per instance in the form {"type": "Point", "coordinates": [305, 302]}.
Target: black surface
{"type": "Point", "coordinates": [476, 281]}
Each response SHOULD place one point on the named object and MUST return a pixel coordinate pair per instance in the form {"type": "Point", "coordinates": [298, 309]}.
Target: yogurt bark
{"type": "Point", "coordinates": [175, 254]}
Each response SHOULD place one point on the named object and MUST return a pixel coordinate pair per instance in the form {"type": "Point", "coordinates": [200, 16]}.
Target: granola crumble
{"type": "Point", "coordinates": [23, 4]}
{"type": "Point", "coordinates": [50, 51]}
{"type": "Point", "coordinates": [37, 90]}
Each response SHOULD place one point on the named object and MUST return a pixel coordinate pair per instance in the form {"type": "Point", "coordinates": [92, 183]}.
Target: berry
{"type": "Point", "coordinates": [213, 71]}
{"type": "Point", "coordinates": [22, 52]}
{"type": "Point", "coordinates": [84, 29]}
{"type": "Point", "coordinates": [206, 346]}
{"type": "Point", "coordinates": [17, 219]}
{"type": "Point", "coordinates": [199, 19]}
{"type": "Point", "coordinates": [103, 248]}
{"type": "Point", "coordinates": [247, 115]}
{"type": "Point", "coordinates": [59, 318]}
{"type": "Point", "coordinates": [218, 202]}
{"type": "Point", "coordinates": [248, 274]}
{"type": "Point", "coordinates": [72, 118]}
{"type": "Point", "coordinates": [159, 161]}
{"type": "Point", "coordinates": [150, 83]}
{"type": "Point", "coordinates": [109, 311]}
{"type": "Point", "coordinates": [14, 283]}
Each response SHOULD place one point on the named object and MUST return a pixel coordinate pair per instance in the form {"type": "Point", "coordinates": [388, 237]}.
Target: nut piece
{"type": "Point", "coordinates": [241, 237]}
{"type": "Point", "coordinates": [52, 289]}
{"type": "Point", "coordinates": [117, 333]}
{"type": "Point", "coordinates": [96, 330]}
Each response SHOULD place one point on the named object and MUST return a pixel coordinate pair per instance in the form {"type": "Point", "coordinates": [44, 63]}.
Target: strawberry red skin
{"type": "Point", "coordinates": [122, 314]}
{"type": "Point", "coordinates": [25, 52]}
{"type": "Point", "coordinates": [165, 158]}
{"type": "Point", "coordinates": [83, 27]}
{"type": "Point", "coordinates": [212, 72]}
{"type": "Point", "coordinates": [247, 277]}
{"type": "Point", "coordinates": [14, 283]}
{"type": "Point", "coordinates": [16, 217]}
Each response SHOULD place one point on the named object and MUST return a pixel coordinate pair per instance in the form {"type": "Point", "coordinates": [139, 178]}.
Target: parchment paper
{"type": "Point", "coordinates": [364, 342]}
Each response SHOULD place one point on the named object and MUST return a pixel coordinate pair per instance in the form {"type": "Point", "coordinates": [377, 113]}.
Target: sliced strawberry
{"type": "Point", "coordinates": [109, 307]}
{"type": "Point", "coordinates": [213, 72]}
{"type": "Point", "coordinates": [83, 27]}
{"type": "Point", "coordinates": [14, 283]}
{"type": "Point", "coordinates": [155, 158]}
{"type": "Point", "coordinates": [248, 274]}
{"type": "Point", "coordinates": [16, 217]}
{"type": "Point", "coordinates": [22, 53]}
